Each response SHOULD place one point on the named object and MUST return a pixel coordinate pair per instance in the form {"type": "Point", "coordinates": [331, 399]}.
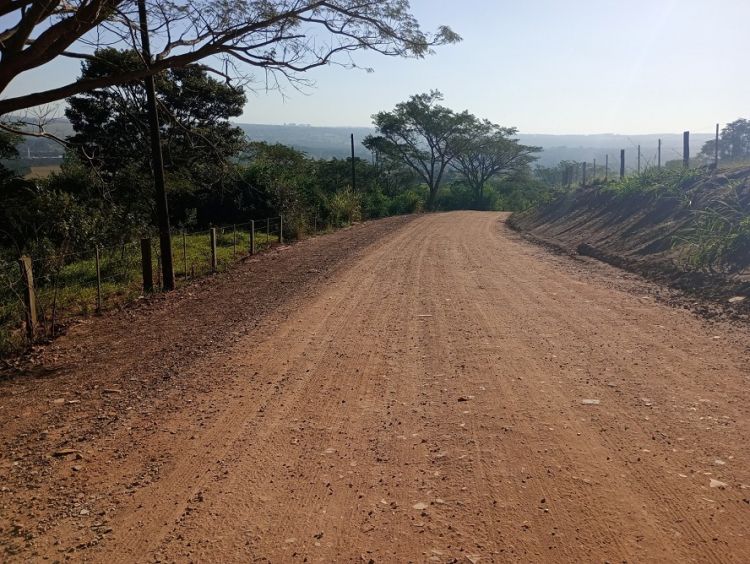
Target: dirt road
{"type": "Point", "coordinates": [448, 393]}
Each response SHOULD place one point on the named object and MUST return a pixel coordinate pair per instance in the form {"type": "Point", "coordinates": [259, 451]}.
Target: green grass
{"type": "Point", "coordinates": [66, 286]}
{"type": "Point", "coordinates": [659, 182]}
{"type": "Point", "coordinates": [719, 237]}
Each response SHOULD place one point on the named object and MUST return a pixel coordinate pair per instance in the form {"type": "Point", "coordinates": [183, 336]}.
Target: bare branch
{"type": "Point", "coordinates": [284, 37]}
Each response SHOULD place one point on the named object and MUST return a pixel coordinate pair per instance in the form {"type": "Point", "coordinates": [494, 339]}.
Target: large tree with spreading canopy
{"type": "Point", "coordinates": [280, 39]}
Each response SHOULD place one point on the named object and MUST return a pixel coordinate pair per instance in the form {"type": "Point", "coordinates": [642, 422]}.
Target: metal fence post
{"type": "Point", "coordinates": [252, 236]}
{"type": "Point", "coordinates": [98, 281]}
{"type": "Point", "coordinates": [29, 296]}
{"type": "Point", "coordinates": [214, 261]}
{"type": "Point", "coordinates": [146, 266]}
{"type": "Point", "coordinates": [281, 229]}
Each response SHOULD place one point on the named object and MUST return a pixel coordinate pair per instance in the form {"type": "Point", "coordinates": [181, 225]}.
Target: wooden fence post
{"type": "Point", "coordinates": [658, 156]}
{"type": "Point", "coordinates": [234, 240]}
{"type": "Point", "coordinates": [583, 177]}
{"type": "Point", "coordinates": [716, 148]}
{"type": "Point", "coordinates": [268, 231]}
{"type": "Point", "coordinates": [252, 237]}
{"type": "Point", "coordinates": [622, 163]}
{"type": "Point", "coordinates": [184, 253]}
{"type": "Point", "coordinates": [214, 261]}
{"type": "Point", "coordinates": [146, 266]}
{"type": "Point", "coordinates": [606, 168]}
{"type": "Point", "coordinates": [315, 224]}
{"type": "Point", "coordinates": [98, 282]}
{"type": "Point", "coordinates": [281, 229]}
{"type": "Point", "coordinates": [639, 159]}
{"type": "Point", "coordinates": [686, 149]}
{"type": "Point", "coordinates": [29, 296]}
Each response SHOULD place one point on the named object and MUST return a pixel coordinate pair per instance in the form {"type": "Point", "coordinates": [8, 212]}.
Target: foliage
{"type": "Point", "coordinates": [345, 206]}
{"type": "Point", "coordinates": [656, 181]}
{"type": "Point", "coordinates": [511, 193]}
{"type": "Point", "coordinates": [720, 236]}
{"type": "Point", "coordinates": [422, 135]}
{"type": "Point", "coordinates": [489, 151]}
{"type": "Point", "coordinates": [734, 142]}
{"type": "Point", "coordinates": [111, 134]}
{"type": "Point", "coordinates": [281, 38]}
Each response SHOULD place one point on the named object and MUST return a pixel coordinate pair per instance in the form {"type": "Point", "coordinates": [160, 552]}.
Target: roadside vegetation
{"type": "Point", "coordinates": [697, 217]}
{"type": "Point", "coordinates": [102, 196]}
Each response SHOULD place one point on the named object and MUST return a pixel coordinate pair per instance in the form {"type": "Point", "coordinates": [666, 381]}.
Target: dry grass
{"type": "Point", "coordinates": [42, 171]}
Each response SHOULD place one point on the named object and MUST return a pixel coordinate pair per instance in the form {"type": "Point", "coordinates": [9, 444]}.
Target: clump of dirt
{"type": "Point", "coordinates": [665, 235]}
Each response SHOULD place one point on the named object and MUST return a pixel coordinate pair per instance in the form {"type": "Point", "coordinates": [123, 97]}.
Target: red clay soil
{"type": "Point", "coordinates": [648, 233]}
{"type": "Point", "coordinates": [429, 389]}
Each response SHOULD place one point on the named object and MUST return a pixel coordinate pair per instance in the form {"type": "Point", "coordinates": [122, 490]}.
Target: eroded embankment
{"type": "Point", "coordinates": [693, 237]}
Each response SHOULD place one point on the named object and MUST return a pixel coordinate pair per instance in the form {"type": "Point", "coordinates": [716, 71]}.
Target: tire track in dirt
{"type": "Point", "coordinates": [426, 405]}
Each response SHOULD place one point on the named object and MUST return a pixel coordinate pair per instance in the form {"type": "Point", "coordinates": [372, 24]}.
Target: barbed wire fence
{"type": "Point", "coordinates": [40, 295]}
{"type": "Point", "coordinates": [638, 159]}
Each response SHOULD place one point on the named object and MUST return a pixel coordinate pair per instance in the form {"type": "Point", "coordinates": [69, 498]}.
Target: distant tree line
{"type": "Point", "coordinates": [426, 156]}
{"type": "Point", "coordinates": [734, 143]}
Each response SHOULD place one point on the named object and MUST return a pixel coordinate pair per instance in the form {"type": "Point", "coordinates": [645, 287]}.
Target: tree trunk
{"type": "Point", "coordinates": [431, 198]}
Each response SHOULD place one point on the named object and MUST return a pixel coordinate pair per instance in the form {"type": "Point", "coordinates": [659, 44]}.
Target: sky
{"type": "Point", "coordinates": [543, 66]}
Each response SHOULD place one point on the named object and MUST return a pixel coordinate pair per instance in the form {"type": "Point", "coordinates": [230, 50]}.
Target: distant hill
{"type": "Point", "coordinates": [317, 142]}
{"type": "Point", "coordinates": [328, 142]}
{"type": "Point", "coordinates": [589, 147]}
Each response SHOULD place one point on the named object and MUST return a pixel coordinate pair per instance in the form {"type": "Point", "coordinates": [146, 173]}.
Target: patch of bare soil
{"type": "Point", "coordinates": [444, 392]}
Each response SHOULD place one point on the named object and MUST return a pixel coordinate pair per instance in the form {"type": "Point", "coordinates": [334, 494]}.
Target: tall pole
{"type": "Point", "coordinates": [622, 164]}
{"type": "Point", "coordinates": [686, 149]}
{"type": "Point", "coordinates": [354, 174]}
{"type": "Point", "coordinates": [162, 209]}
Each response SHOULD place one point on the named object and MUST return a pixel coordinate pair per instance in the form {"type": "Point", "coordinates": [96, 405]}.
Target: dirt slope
{"type": "Point", "coordinates": [646, 232]}
{"type": "Point", "coordinates": [432, 401]}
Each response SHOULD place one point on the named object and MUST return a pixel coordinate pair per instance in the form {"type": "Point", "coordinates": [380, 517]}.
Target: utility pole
{"type": "Point", "coordinates": [162, 209]}
{"type": "Point", "coordinates": [354, 174]}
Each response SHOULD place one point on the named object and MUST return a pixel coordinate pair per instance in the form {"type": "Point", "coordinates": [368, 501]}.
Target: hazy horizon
{"type": "Point", "coordinates": [542, 66]}
{"type": "Point", "coordinates": [561, 134]}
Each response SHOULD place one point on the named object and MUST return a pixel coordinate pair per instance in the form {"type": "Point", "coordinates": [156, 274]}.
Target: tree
{"type": "Point", "coordinates": [281, 38]}
{"type": "Point", "coordinates": [8, 150]}
{"type": "Point", "coordinates": [734, 143]}
{"type": "Point", "coordinates": [111, 125]}
{"type": "Point", "coordinates": [488, 151]}
{"type": "Point", "coordinates": [111, 131]}
{"type": "Point", "coordinates": [423, 135]}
